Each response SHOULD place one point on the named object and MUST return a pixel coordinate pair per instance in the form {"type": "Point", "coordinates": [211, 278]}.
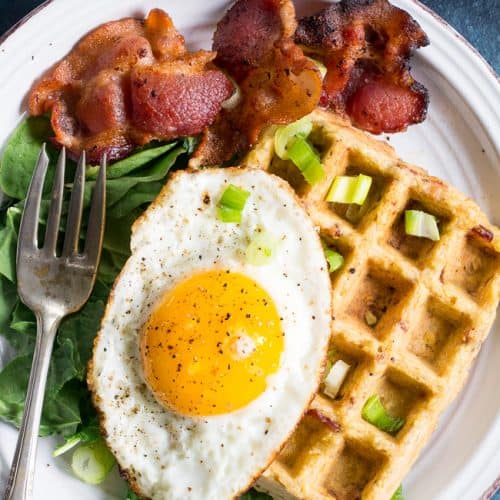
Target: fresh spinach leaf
{"type": "Point", "coordinates": [131, 495]}
{"type": "Point", "coordinates": [132, 162]}
{"type": "Point", "coordinates": [8, 243]}
{"type": "Point", "coordinates": [21, 153]}
{"type": "Point", "coordinates": [59, 414]}
{"type": "Point", "coordinates": [132, 184]}
{"type": "Point", "coordinates": [87, 434]}
{"type": "Point", "coordinates": [8, 300]}
{"type": "Point", "coordinates": [137, 196]}
{"type": "Point", "coordinates": [117, 188]}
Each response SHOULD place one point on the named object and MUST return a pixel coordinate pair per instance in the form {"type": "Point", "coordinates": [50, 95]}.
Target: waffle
{"type": "Point", "coordinates": [434, 303]}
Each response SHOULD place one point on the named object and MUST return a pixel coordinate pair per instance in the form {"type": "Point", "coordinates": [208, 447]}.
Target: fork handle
{"type": "Point", "coordinates": [20, 483]}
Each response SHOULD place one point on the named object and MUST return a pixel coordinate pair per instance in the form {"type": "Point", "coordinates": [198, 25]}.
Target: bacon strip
{"type": "Point", "coordinates": [126, 83]}
{"type": "Point", "coordinates": [278, 83]}
{"type": "Point", "coordinates": [366, 46]}
{"type": "Point", "coordinates": [246, 34]}
{"type": "Point", "coordinates": [333, 426]}
{"type": "Point", "coordinates": [254, 44]}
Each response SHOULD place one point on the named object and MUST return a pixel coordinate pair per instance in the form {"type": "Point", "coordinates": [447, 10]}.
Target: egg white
{"type": "Point", "coordinates": [166, 455]}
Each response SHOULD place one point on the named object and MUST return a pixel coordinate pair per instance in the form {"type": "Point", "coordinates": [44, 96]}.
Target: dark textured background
{"type": "Point", "coordinates": [476, 20]}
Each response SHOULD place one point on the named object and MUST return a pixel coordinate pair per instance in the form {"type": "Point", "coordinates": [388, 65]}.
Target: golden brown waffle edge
{"type": "Point", "coordinates": [434, 304]}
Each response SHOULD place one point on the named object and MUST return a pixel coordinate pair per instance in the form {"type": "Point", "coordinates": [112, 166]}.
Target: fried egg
{"type": "Point", "coordinates": [206, 360]}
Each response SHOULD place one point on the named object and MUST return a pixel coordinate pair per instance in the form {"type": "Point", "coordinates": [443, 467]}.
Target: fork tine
{"type": "Point", "coordinates": [95, 228]}
{"type": "Point", "coordinates": [75, 210]}
{"type": "Point", "coordinates": [28, 230]}
{"type": "Point", "coordinates": [52, 230]}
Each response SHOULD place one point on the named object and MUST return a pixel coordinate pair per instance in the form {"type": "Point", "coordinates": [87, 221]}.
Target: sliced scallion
{"type": "Point", "coordinates": [355, 213]}
{"type": "Point", "coordinates": [306, 159]}
{"type": "Point", "coordinates": [374, 412]}
{"type": "Point", "coordinates": [370, 318]}
{"type": "Point", "coordinates": [349, 189]}
{"type": "Point", "coordinates": [232, 203]}
{"type": "Point", "coordinates": [398, 494]}
{"type": "Point", "coordinates": [321, 67]}
{"type": "Point", "coordinates": [335, 378]}
{"type": "Point", "coordinates": [88, 434]}
{"type": "Point", "coordinates": [421, 224]}
{"type": "Point", "coordinates": [334, 259]}
{"type": "Point", "coordinates": [285, 134]}
{"type": "Point", "coordinates": [262, 248]}
{"type": "Point", "coordinates": [235, 98]}
{"type": "Point", "coordinates": [331, 357]}
{"type": "Point", "coordinates": [131, 495]}
{"type": "Point", "coordinates": [92, 462]}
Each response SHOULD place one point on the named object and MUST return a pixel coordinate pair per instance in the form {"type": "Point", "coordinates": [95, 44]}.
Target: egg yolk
{"type": "Point", "coordinates": [210, 345]}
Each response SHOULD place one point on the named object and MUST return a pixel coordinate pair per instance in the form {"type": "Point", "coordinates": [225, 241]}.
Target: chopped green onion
{"type": "Point", "coordinates": [334, 259]}
{"type": "Point", "coordinates": [331, 357]}
{"type": "Point", "coordinates": [284, 135]}
{"type": "Point", "coordinates": [235, 98]}
{"type": "Point", "coordinates": [321, 67]}
{"type": "Point", "coordinates": [374, 412]}
{"type": "Point", "coordinates": [86, 435]}
{"type": "Point", "coordinates": [306, 160]}
{"type": "Point", "coordinates": [232, 203]}
{"type": "Point", "coordinates": [71, 442]}
{"type": "Point", "coordinates": [335, 378]}
{"type": "Point", "coordinates": [92, 462]}
{"type": "Point", "coordinates": [370, 318]}
{"type": "Point", "coordinates": [355, 213]}
{"type": "Point", "coordinates": [398, 494]}
{"type": "Point", "coordinates": [421, 224]}
{"type": "Point", "coordinates": [261, 249]}
{"type": "Point", "coordinates": [131, 495]}
{"type": "Point", "coordinates": [346, 189]}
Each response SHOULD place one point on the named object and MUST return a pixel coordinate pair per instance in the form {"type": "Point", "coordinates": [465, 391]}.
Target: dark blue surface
{"type": "Point", "coordinates": [477, 20]}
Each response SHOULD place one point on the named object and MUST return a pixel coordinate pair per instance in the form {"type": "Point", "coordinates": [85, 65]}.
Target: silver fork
{"type": "Point", "coordinates": [52, 287]}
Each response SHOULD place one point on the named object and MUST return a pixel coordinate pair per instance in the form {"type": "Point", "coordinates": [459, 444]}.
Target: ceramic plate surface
{"type": "Point", "coordinates": [459, 142]}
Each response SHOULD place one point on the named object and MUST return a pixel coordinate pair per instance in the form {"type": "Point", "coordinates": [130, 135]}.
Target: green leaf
{"type": "Point", "coordinates": [62, 414]}
{"type": "Point", "coordinates": [137, 196]}
{"type": "Point", "coordinates": [398, 494]}
{"type": "Point", "coordinates": [21, 153]}
{"type": "Point", "coordinates": [132, 162]}
{"type": "Point", "coordinates": [131, 495]}
{"type": "Point", "coordinates": [59, 414]}
{"type": "Point", "coordinates": [22, 330]}
{"type": "Point", "coordinates": [132, 184]}
{"type": "Point", "coordinates": [117, 188]}
{"type": "Point", "coordinates": [8, 243]}
{"type": "Point", "coordinates": [78, 331]}
{"type": "Point", "coordinates": [107, 269]}
{"type": "Point", "coordinates": [87, 434]}
{"type": "Point", "coordinates": [8, 294]}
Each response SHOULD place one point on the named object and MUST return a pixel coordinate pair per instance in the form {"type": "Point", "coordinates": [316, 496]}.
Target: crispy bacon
{"type": "Point", "coordinates": [278, 83]}
{"type": "Point", "coordinates": [248, 32]}
{"type": "Point", "coordinates": [366, 45]}
{"type": "Point", "coordinates": [171, 100]}
{"type": "Point", "coordinates": [334, 426]}
{"type": "Point", "coordinates": [128, 82]}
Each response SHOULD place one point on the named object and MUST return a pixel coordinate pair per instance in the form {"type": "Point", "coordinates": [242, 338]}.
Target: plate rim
{"type": "Point", "coordinates": [447, 26]}
{"type": "Point", "coordinates": [472, 52]}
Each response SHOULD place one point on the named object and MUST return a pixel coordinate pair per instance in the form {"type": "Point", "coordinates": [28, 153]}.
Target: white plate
{"type": "Point", "coordinates": [459, 142]}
